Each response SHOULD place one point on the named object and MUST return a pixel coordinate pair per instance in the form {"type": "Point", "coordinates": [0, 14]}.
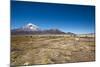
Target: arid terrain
{"type": "Point", "coordinates": [39, 49]}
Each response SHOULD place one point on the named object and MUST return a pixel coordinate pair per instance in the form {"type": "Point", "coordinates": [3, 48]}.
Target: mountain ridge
{"type": "Point", "coordinates": [34, 29]}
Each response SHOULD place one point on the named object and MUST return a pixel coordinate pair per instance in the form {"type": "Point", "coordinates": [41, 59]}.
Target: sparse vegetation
{"type": "Point", "coordinates": [30, 50]}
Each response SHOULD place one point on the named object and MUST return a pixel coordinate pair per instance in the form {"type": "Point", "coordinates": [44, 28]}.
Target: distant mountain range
{"type": "Point", "coordinates": [34, 29]}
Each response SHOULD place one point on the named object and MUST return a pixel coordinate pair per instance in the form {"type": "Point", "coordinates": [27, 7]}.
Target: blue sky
{"type": "Point", "coordinates": [66, 17]}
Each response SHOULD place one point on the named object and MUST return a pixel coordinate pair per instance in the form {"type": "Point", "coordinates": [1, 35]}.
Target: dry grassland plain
{"type": "Point", "coordinates": [39, 49]}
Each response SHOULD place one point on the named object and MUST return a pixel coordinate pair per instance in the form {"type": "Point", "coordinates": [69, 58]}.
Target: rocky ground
{"type": "Point", "coordinates": [32, 50]}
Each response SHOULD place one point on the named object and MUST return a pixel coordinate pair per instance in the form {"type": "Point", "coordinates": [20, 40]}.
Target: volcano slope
{"type": "Point", "coordinates": [39, 49]}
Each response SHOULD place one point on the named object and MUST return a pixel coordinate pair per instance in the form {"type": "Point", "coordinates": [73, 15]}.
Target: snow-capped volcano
{"type": "Point", "coordinates": [30, 27]}
{"type": "Point", "coordinates": [34, 29]}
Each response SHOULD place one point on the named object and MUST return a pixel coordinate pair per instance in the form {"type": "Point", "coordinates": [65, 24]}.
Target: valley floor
{"type": "Point", "coordinates": [32, 50]}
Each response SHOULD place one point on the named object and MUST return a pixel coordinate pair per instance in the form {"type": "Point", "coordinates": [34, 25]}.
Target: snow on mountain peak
{"type": "Point", "coordinates": [31, 27]}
